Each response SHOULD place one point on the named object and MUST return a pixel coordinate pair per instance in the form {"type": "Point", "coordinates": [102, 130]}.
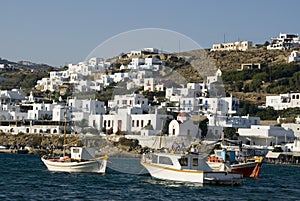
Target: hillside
{"type": "Point", "coordinates": [232, 60]}
{"type": "Point", "coordinates": [22, 74]}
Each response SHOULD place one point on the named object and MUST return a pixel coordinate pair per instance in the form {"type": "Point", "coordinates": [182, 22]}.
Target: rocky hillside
{"type": "Point", "coordinates": [232, 60]}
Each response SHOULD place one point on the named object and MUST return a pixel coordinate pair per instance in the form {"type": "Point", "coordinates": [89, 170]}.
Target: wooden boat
{"type": "Point", "coordinates": [187, 168]}
{"type": "Point", "coordinates": [81, 160]}
{"type": "Point", "coordinates": [225, 160]}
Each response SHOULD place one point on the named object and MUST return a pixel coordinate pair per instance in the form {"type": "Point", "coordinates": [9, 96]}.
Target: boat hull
{"type": "Point", "coordinates": [248, 169]}
{"type": "Point", "coordinates": [92, 166]}
{"type": "Point", "coordinates": [193, 176]}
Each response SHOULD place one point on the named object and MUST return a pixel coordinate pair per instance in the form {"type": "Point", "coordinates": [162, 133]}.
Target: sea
{"type": "Point", "coordinates": [24, 177]}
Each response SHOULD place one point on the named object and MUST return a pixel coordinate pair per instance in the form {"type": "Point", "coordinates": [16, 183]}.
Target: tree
{"type": "Point", "coordinates": [266, 43]}
{"type": "Point", "coordinates": [203, 127]}
{"type": "Point", "coordinates": [230, 133]}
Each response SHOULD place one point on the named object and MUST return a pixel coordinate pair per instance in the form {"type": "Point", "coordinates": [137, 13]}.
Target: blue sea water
{"type": "Point", "coordinates": [24, 177]}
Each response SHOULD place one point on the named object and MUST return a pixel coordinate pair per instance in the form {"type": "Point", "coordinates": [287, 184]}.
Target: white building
{"type": "Point", "coordinates": [135, 62]}
{"type": "Point", "coordinates": [16, 127]}
{"type": "Point", "coordinates": [132, 120]}
{"type": "Point", "coordinates": [294, 57]}
{"type": "Point", "coordinates": [284, 42]}
{"type": "Point", "coordinates": [40, 111]}
{"type": "Point", "coordinates": [174, 94]}
{"type": "Point", "coordinates": [265, 135]}
{"type": "Point", "coordinates": [9, 98]}
{"type": "Point", "coordinates": [89, 106]}
{"type": "Point", "coordinates": [295, 127]}
{"type": "Point", "coordinates": [292, 126]}
{"type": "Point", "coordinates": [184, 126]}
{"type": "Point", "coordinates": [152, 84]}
{"type": "Point", "coordinates": [144, 64]}
{"type": "Point", "coordinates": [132, 100]}
{"type": "Point", "coordinates": [283, 101]}
{"type": "Point", "coordinates": [89, 67]}
{"type": "Point", "coordinates": [239, 45]}
{"type": "Point", "coordinates": [49, 84]}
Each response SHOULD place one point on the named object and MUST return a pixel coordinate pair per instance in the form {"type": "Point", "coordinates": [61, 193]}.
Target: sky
{"type": "Point", "coordinates": [59, 32]}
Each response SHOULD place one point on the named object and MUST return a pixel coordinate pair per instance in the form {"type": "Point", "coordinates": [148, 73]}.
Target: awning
{"type": "Point", "coordinates": [271, 154]}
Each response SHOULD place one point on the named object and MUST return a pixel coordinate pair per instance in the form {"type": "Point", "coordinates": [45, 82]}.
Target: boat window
{"type": "Point", "coordinates": [195, 161]}
{"type": "Point", "coordinates": [76, 151]}
{"type": "Point", "coordinates": [154, 158]}
{"type": "Point", "coordinates": [183, 161]}
{"type": "Point", "coordinates": [165, 160]}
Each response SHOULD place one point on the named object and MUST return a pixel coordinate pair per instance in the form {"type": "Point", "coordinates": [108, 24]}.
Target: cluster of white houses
{"type": "Point", "coordinates": [132, 113]}
{"type": "Point", "coordinates": [284, 42]}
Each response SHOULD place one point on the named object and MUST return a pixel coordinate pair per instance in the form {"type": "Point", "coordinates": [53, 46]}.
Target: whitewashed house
{"type": "Point", "coordinates": [132, 100]}
{"type": "Point", "coordinates": [135, 62]}
{"type": "Point", "coordinates": [283, 101]}
{"type": "Point", "coordinates": [265, 135]}
{"type": "Point", "coordinates": [184, 126]}
{"type": "Point", "coordinates": [49, 84]}
{"type": "Point", "coordinates": [40, 111]}
{"type": "Point", "coordinates": [295, 127]}
{"type": "Point", "coordinates": [132, 120]}
{"type": "Point", "coordinates": [152, 84]}
{"type": "Point", "coordinates": [294, 57]}
{"type": "Point", "coordinates": [233, 46]}
{"type": "Point", "coordinates": [284, 42]}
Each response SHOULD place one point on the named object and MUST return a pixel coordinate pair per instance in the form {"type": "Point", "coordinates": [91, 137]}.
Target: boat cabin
{"type": "Point", "coordinates": [225, 155]}
{"type": "Point", "coordinates": [82, 153]}
{"type": "Point", "coordinates": [178, 161]}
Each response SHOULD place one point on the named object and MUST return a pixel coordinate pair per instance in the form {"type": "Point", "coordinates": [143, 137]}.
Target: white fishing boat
{"type": "Point", "coordinates": [187, 168]}
{"type": "Point", "coordinates": [82, 160]}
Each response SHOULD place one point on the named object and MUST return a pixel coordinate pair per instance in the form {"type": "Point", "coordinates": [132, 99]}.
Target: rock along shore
{"type": "Point", "coordinates": [42, 144]}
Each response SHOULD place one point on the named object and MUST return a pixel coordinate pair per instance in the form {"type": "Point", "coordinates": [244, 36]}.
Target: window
{"type": "Point", "coordinates": [154, 158]}
{"type": "Point", "coordinates": [142, 123]}
{"type": "Point", "coordinates": [165, 160]}
{"type": "Point", "coordinates": [195, 161]}
{"type": "Point", "coordinates": [75, 151]}
{"type": "Point", "coordinates": [132, 123]}
{"type": "Point", "coordinates": [183, 161]}
{"type": "Point", "coordinates": [137, 123]}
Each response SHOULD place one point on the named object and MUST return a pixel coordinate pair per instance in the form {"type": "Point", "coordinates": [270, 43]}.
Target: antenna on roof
{"type": "Point", "coordinates": [224, 39]}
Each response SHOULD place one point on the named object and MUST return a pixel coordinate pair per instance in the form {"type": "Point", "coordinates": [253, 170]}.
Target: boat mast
{"type": "Point", "coordinates": [161, 133]}
{"type": "Point", "coordinates": [65, 133]}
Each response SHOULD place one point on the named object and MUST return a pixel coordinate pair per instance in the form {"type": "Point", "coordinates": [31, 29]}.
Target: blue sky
{"type": "Point", "coordinates": [66, 31]}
